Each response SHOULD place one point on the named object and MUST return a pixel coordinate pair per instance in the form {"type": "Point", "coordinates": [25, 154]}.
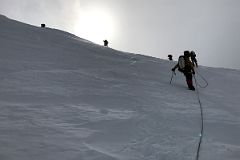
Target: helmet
{"type": "Point", "coordinates": [193, 53]}
{"type": "Point", "coordinates": [186, 54]}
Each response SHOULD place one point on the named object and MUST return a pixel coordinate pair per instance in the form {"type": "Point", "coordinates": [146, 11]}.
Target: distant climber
{"type": "Point", "coordinates": [193, 58]}
{"type": "Point", "coordinates": [105, 43]}
{"type": "Point", "coordinates": [170, 57]}
{"type": "Point", "coordinates": [186, 67]}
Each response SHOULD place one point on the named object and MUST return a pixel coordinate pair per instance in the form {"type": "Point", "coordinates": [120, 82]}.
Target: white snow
{"type": "Point", "coordinates": [65, 98]}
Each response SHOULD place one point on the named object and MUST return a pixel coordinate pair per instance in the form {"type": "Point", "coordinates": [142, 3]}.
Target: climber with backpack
{"type": "Point", "coordinates": [193, 58]}
{"type": "Point", "coordinates": [185, 66]}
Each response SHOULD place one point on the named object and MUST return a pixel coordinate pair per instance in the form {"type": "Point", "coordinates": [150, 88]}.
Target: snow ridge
{"type": "Point", "coordinates": [63, 97]}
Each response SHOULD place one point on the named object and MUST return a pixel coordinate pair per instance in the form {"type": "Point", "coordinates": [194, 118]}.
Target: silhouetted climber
{"type": "Point", "coordinates": [193, 58]}
{"type": "Point", "coordinates": [105, 43]}
{"type": "Point", "coordinates": [186, 67]}
{"type": "Point", "coordinates": [170, 57]}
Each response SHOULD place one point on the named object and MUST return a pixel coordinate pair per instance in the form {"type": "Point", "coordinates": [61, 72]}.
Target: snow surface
{"type": "Point", "coordinates": [65, 98]}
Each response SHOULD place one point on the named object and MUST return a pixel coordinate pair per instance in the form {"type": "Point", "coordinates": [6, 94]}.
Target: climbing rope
{"type": "Point", "coordinates": [206, 82]}
{"type": "Point", "coordinates": [202, 128]}
{"type": "Point", "coordinates": [201, 109]}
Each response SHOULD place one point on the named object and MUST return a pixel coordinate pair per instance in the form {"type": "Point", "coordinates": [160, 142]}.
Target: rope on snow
{"type": "Point", "coordinates": [202, 127]}
{"type": "Point", "coordinates": [206, 82]}
{"type": "Point", "coordinates": [201, 110]}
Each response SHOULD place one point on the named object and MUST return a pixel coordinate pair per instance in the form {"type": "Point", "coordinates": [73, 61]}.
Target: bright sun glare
{"type": "Point", "coordinates": [95, 24]}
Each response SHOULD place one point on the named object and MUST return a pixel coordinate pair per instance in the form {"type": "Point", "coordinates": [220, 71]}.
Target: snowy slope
{"type": "Point", "coordinates": [65, 98]}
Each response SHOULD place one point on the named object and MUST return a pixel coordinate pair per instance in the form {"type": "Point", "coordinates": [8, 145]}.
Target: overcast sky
{"type": "Point", "coordinates": [152, 27]}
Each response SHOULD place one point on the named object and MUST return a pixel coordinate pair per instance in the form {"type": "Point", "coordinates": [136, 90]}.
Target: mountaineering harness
{"type": "Point", "coordinates": [201, 110]}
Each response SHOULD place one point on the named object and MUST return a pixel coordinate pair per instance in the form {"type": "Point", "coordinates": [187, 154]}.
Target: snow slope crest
{"type": "Point", "coordinates": [63, 97]}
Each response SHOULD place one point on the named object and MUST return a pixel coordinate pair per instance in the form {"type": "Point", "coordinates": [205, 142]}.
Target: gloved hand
{"type": "Point", "coordinates": [193, 72]}
{"type": "Point", "coordinates": [173, 69]}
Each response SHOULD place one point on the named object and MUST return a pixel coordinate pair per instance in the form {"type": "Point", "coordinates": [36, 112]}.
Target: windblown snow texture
{"type": "Point", "coordinates": [65, 98]}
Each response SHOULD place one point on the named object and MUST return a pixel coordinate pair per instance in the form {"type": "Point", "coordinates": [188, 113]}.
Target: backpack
{"type": "Point", "coordinates": [181, 63]}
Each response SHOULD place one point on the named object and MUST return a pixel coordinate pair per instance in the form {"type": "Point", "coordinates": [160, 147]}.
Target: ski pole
{"type": "Point", "coordinates": [173, 73]}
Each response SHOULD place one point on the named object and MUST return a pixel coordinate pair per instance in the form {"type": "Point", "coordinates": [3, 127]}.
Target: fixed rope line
{"type": "Point", "coordinates": [202, 128]}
